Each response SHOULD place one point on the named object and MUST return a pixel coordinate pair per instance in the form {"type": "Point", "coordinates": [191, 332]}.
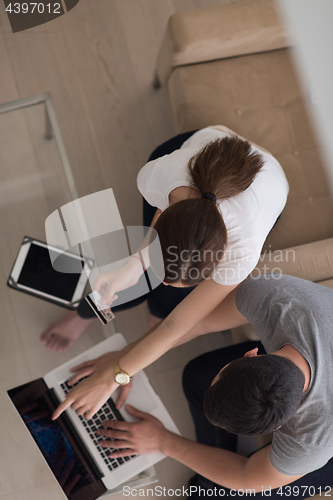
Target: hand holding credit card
{"type": "Point", "coordinates": [102, 311]}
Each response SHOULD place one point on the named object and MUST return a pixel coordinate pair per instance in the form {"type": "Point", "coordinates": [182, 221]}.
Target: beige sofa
{"type": "Point", "coordinates": [232, 65]}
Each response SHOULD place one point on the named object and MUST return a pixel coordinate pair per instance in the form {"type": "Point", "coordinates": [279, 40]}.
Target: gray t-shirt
{"type": "Point", "coordinates": [288, 310]}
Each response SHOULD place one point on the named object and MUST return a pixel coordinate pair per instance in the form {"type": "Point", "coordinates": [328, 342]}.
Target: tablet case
{"type": "Point", "coordinates": [13, 284]}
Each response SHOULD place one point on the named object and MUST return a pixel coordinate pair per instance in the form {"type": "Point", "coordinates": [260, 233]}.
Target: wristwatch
{"type": "Point", "coordinates": [121, 377]}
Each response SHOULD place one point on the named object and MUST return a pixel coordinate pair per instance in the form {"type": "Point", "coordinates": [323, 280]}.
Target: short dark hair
{"type": "Point", "coordinates": [255, 395]}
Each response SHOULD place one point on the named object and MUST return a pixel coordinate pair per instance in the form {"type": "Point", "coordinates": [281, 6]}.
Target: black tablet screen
{"type": "Point", "coordinates": [37, 273]}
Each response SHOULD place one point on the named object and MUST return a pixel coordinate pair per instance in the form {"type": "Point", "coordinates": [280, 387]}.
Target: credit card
{"type": "Point", "coordinates": [102, 311]}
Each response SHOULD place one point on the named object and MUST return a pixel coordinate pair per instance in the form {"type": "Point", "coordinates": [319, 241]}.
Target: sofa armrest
{"type": "Point", "coordinates": [228, 30]}
{"type": "Point", "coordinates": [312, 261]}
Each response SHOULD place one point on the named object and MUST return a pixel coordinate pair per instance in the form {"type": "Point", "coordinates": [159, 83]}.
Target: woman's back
{"type": "Point", "coordinates": [248, 216]}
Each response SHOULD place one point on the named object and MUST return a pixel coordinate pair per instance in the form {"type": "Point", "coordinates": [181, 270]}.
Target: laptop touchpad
{"type": "Point", "coordinates": [139, 397]}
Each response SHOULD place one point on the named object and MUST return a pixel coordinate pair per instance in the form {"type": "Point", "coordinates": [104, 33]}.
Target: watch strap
{"type": "Point", "coordinates": [117, 369]}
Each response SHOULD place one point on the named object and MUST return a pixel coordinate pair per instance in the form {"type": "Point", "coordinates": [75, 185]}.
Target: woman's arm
{"type": "Point", "coordinates": [108, 284]}
{"type": "Point", "coordinates": [191, 311]}
{"type": "Point", "coordinates": [88, 397]}
{"type": "Point", "coordinates": [144, 247]}
{"type": "Point", "coordinates": [224, 317]}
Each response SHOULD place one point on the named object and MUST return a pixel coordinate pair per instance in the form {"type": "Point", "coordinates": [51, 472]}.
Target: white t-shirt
{"type": "Point", "coordinates": [248, 217]}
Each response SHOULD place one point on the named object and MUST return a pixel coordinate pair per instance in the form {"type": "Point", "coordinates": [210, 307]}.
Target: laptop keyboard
{"type": "Point", "coordinates": [107, 412]}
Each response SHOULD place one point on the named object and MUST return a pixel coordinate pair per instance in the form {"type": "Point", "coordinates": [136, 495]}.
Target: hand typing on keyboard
{"type": "Point", "coordinates": [90, 394]}
{"type": "Point", "coordinates": [147, 435]}
{"type": "Point", "coordinates": [107, 413]}
{"type": "Point", "coordinates": [99, 365]}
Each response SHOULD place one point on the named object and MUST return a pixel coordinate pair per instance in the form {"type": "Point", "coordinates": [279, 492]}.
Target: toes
{"type": "Point", "coordinates": [64, 344]}
{"type": "Point", "coordinates": [57, 343]}
{"type": "Point", "coordinates": [57, 346]}
{"type": "Point", "coordinates": [60, 346]}
{"type": "Point", "coordinates": [46, 335]}
{"type": "Point", "coordinates": [53, 342]}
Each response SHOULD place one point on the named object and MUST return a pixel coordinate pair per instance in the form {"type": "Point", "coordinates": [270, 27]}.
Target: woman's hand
{"type": "Point", "coordinates": [90, 394]}
{"type": "Point", "coordinates": [108, 284]}
{"type": "Point", "coordinates": [99, 365]}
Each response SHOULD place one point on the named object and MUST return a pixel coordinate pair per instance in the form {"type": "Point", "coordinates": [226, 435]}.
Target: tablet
{"type": "Point", "coordinates": [33, 273]}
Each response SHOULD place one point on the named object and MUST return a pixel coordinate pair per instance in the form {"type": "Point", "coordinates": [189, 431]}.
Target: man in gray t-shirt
{"type": "Point", "coordinates": [298, 313]}
{"type": "Point", "coordinates": [281, 384]}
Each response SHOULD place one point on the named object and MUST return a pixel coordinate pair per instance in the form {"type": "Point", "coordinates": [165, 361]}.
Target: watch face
{"type": "Point", "coordinates": [122, 378]}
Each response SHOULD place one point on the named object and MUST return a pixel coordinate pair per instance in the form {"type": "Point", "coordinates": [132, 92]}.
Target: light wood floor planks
{"type": "Point", "coordinates": [97, 61]}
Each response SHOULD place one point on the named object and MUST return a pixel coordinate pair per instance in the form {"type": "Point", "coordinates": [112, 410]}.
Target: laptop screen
{"type": "Point", "coordinates": [58, 441]}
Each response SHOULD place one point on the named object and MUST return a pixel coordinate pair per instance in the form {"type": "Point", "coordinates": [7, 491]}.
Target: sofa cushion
{"type": "Point", "coordinates": [227, 30]}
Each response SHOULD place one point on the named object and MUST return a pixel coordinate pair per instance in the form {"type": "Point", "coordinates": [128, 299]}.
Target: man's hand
{"type": "Point", "coordinates": [134, 438]}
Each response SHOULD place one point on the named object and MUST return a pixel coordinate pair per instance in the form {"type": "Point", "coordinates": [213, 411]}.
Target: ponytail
{"type": "Point", "coordinates": [192, 233]}
{"type": "Point", "coordinates": [225, 167]}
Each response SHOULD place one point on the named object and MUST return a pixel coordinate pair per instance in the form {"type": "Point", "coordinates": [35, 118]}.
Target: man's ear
{"type": "Point", "coordinates": [251, 354]}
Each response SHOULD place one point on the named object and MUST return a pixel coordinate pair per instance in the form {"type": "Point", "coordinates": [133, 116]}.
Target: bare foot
{"type": "Point", "coordinates": [153, 320]}
{"type": "Point", "coordinates": [64, 332]}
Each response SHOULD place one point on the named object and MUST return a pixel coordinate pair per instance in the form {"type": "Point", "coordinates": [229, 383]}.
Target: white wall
{"type": "Point", "coordinates": [311, 23]}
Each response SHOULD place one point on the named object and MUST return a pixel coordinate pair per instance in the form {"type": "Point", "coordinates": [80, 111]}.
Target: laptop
{"type": "Point", "coordinates": [84, 470]}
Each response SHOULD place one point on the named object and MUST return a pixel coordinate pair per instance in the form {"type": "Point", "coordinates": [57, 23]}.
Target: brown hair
{"type": "Point", "coordinates": [194, 227]}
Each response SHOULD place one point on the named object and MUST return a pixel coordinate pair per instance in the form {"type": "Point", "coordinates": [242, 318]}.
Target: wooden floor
{"type": "Point", "coordinates": [97, 61]}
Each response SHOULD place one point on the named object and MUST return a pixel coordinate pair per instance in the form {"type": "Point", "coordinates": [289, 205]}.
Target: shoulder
{"type": "Point", "coordinates": [258, 293]}
{"type": "Point", "coordinates": [297, 291]}
{"type": "Point", "coordinates": [206, 135]}
{"type": "Point", "coordinates": [159, 177]}
{"type": "Point", "coordinates": [272, 284]}
{"type": "Point", "coordinates": [149, 187]}
{"type": "Point", "coordinates": [292, 453]}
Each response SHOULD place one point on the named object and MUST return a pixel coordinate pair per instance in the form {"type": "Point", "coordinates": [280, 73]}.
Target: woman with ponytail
{"type": "Point", "coordinates": [212, 197]}
{"type": "Point", "coordinates": [213, 220]}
